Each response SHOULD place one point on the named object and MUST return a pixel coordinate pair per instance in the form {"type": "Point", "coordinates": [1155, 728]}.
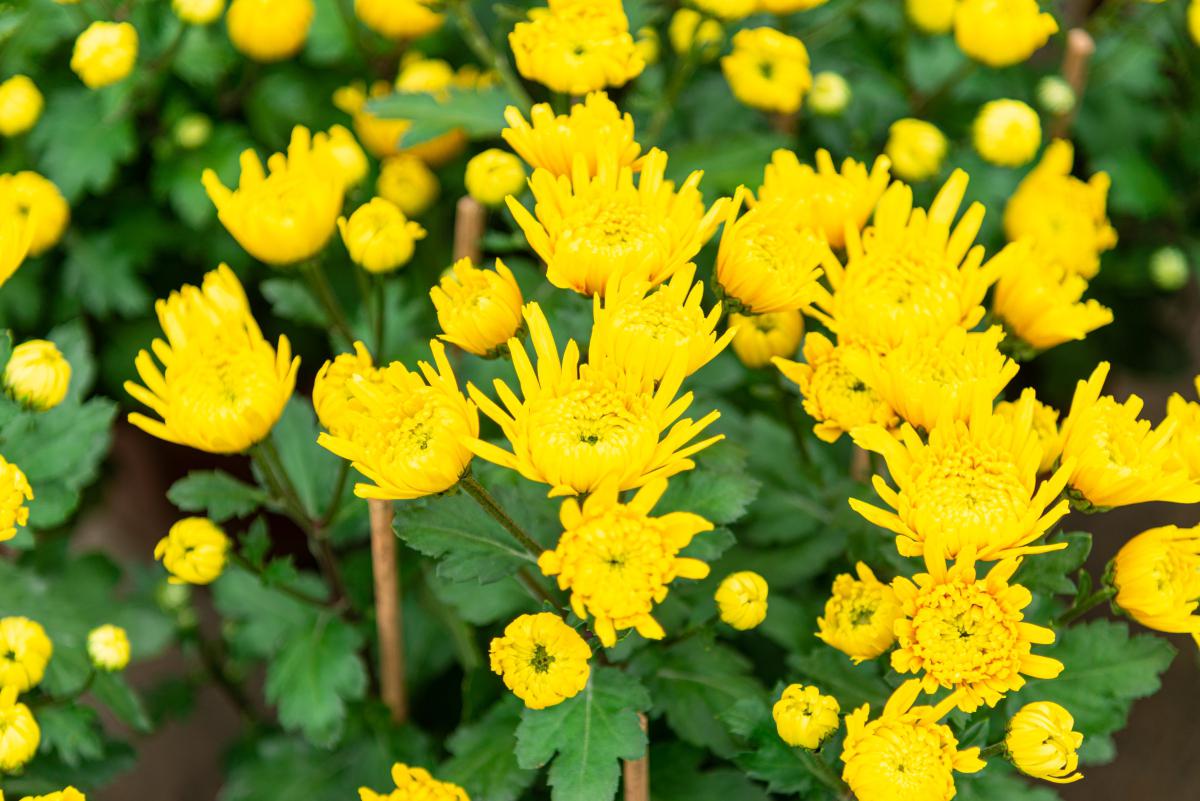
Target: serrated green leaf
{"type": "Point", "coordinates": [101, 271]}
{"type": "Point", "coordinates": [477, 112]}
{"type": "Point", "coordinates": [217, 494]}
{"type": "Point", "coordinates": [831, 670]}
{"type": "Point", "coordinates": [71, 731]}
{"type": "Point", "coordinates": [82, 141]}
{"type": "Point", "coordinates": [114, 692]}
{"type": "Point", "coordinates": [263, 618]}
{"type": "Point", "coordinates": [764, 756]}
{"type": "Point", "coordinates": [73, 340]}
{"type": "Point", "coordinates": [1051, 572]}
{"type": "Point", "coordinates": [291, 300]}
{"type": "Point", "coordinates": [676, 774]}
{"type": "Point", "coordinates": [311, 468]}
{"type": "Point", "coordinates": [483, 761]}
{"type": "Point", "coordinates": [720, 489]}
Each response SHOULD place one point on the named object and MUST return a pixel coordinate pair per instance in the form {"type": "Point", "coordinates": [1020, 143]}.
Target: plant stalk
{"type": "Point", "coordinates": [389, 619]}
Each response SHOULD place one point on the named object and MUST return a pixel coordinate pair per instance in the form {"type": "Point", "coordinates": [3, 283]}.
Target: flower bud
{"type": "Point", "coordinates": [345, 150]}
{"type": "Point", "coordinates": [378, 236]}
{"type": "Point", "coordinates": [1007, 133]}
{"type": "Point", "coordinates": [105, 53]}
{"type": "Point", "coordinates": [193, 551]}
{"type": "Point", "coordinates": [20, 105]}
{"type": "Point", "coordinates": [742, 600]}
{"type": "Point", "coordinates": [407, 182]}
{"type": "Point", "coordinates": [916, 149]}
{"type": "Point", "coordinates": [1169, 268]}
{"type": "Point", "coordinates": [761, 337]}
{"type": "Point", "coordinates": [493, 175]}
{"type": "Point", "coordinates": [1041, 744]}
{"type": "Point", "coordinates": [931, 16]}
{"type": "Point", "coordinates": [37, 375]}
{"type": "Point", "coordinates": [269, 30]}
{"type": "Point", "coordinates": [689, 29]}
{"type": "Point", "coordinates": [804, 717]}
{"type": "Point", "coordinates": [21, 733]}
{"type": "Point", "coordinates": [479, 310]}
{"type": "Point", "coordinates": [108, 648]}
{"type": "Point", "coordinates": [830, 94]}
{"type": "Point", "coordinates": [1055, 95]}
{"type": "Point", "coordinates": [25, 650]}
{"type": "Point", "coordinates": [198, 12]}
{"type": "Point", "coordinates": [193, 130]}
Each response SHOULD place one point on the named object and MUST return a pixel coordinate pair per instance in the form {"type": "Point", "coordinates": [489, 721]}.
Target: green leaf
{"type": "Point", "coordinates": [477, 112]}
{"type": "Point", "coordinates": [82, 141]}
{"type": "Point", "coordinates": [739, 161]}
{"type": "Point", "coordinates": [101, 271]}
{"type": "Point", "coordinates": [764, 756]}
{"type": "Point", "coordinates": [315, 674]}
{"type": "Point", "coordinates": [263, 618]}
{"type": "Point", "coordinates": [312, 469]}
{"type": "Point", "coordinates": [676, 775]}
{"type": "Point", "coordinates": [72, 732]}
{"type": "Point", "coordinates": [1051, 573]}
{"type": "Point", "coordinates": [720, 489]}
{"type": "Point", "coordinates": [217, 494]}
{"type": "Point", "coordinates": [205, 56]}
{"type": "Point", "coordinates": [590, 734]}
{"type": "Point", "coordinates": [831, 670]}
{"type": "Point", "coordinates": [1000, 782]}
{"type": "Point", "coordinates": [73, 340]}
{"type": "Point", "coordinates": [483, 762]}
{"type": "Point", "coordinates": [114, 692]}
{"type": "Point", "coordinates": [291, 300]}
{"type": "Point", "coordinates": [177, 173]}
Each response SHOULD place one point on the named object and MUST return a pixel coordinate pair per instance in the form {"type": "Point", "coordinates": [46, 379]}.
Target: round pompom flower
{"type": "Point", "coordinates": [804, 717]}
{"type": "Point", "coordinates": [198, 12]}
{"type": "Point", "coordinates": [105, 53]}
{"type": "Point", "coordinates": [65, 794]}
{"type": "Point", "coordinates": [1001, 33]}
{"type": "Point", "coordinates": [333, 399]}
{"type": "Point", "coordinates": [1007, 133]}
{"type": "Point", "coordinates": [108, 647]}
{"type": "Point", "coordinates": [37, 375]}
{"type": "Point", "coordinates": [1157, 577]}
{"type": "Point", "coordinates": [729, 10]}
{"type": "Point", "coordinates": [478, 309]}
{"type": "Point", "coordinates": [916, 148]}
{"type": "Point", "coordinates": [760, 338]}
{"type": "Point", "coordinates": [15, 493]}
{"type": "Point", "coordinates": [860, 615]}
{"type": "Point", "coordinates": [594, 129]}
{"type": "Point", "coordinates": [378, 237]}
{"type": "Point", "coordinates": [269, 30]}
{"type": "Point", "coordinates": [27, 195]}
{"type": "Point", "coordinates": [931, 16]}
{"type": "Point", "coordinates": [348, 155]}
{"type": "Point", "coordinates": [576, 46]}
{"type": "Point", "coordinates": [1041, 744]}
{"type": "Point", "coordinates": [541, 659]}
{"type": "Point", "coordinates": [406, 181]}
{"type": "Point", "coordinates": [21, 105]}
{"type": "Point", "coordinates": [768, 70]}
{"type": "Point", "coordinates": [493, 175]}
{"type": "Point", "coordinates": [415, 784]}
{"type": "Point", "coordinates": [193, 551]}
{"type": "Point", "coordinates": [742, 600]}
{"type": "Point", "coordinates": [19, 732]}
{"type": "Point", "coordinates": [25, 650]}
{"type": "Point", "coordinates": [400, 19]}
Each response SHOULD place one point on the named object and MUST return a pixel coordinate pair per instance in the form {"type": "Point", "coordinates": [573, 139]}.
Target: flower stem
{"type": "Point", "coordinates": [818, 768]}
{"type": "Point", "coordinates": [486, 52]}
{"type": "Point", "coordinates": [493, 508]}
{"type": "Point", "coordinates": [389, 619]}
{"type": "Point", "coordinates": [793, 424]}
{"type": "Point", "coordinates": [1084, 605]}
{"type": "Point", "coordinates": [291, 592]}
{"type": "Point", "coordinates": [314, 273]}
{"type": "Point", "coordinates": [995, 749]}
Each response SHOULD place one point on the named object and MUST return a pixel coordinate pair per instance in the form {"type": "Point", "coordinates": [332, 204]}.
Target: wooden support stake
{"type": "Point", "coordinates": [388, 618]}
{"type": "Point", "coordinates": [470, 221]}
{"type": "Point", "coordinates": [1080, 47]}
{"type": "Point", "coordinates": [637, 771]}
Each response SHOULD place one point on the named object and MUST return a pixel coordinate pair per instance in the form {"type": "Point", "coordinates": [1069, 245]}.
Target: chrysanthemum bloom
{"type": "Point", "coordinates": [348, 155]}
{"type": "Point", "coordinates": [15, 493]}
{"type": "Point", "coordinates": [399, 19]}
{"type": "Point", "coordinates": [541, 659]}
{"type": "Point", "coordinates": [287, 214]}
{"type": "Point", "coordinates": [25, 650]}
{"type": "Point", "coordinates": [408, 434]}
{"type": "Point", "coordinates": [617, 561]}
{"type": "Point", "coordinates": [860, 615]}
{"type": "Point", "coordinates": [905, 753]}
{"type": "Point", "coordinates": [66, 794]}
{"type": "Point", "coordinates": [766, 263]}
{"type": "Point", "coordinates": [1000, 33]}
{"type": "Point", "coordinates": [825, 199]}
{"type": "Point", "coordinates": [729, 10]}
{"type": "Point", "coordinates": [691, 32]}
{"type": "Point", "coordinates": [758, 339]}
{"type": "Point", "coordinates": [967, 633]}
{"type": "Point", "coordinates": [198, 12]}
{"type": "Point", "coordinates": [378, 237]}
{"type": "Point", "coordinates": [478, 309]}
{"type": "Point", "coordinates": [594, 130]}
{"type": "Point", "coordinates": [1184, 416]}
{"type": "Point", "coordinates": [1041, 743]}
{"type": "Point", "coordinates": [973, 485]}
{"type": "Point", "coordinates": [269, 30]}
{"type": "Point", "coordinates": [37, 375]}
{"type": "Point", "coordinates": [30, 196]}
{"type": "Point", "coordinates": [333, 399]}
{"type": "Point", "coordinates": [1041, 304]}
{"type": "Point", "coordinates": [1045, 425]}
{"type": "Point", "coordinates": [742, 600]}
{"type": "Point", "coordinates": [20, 105]}
{"type": "Point", "coordinates": [19, 732]}
{"type": "Point", "coordinates": [1157, 577]}
{"type": "Point", "coordinates": [644, 328]}
{"type": "Point", "coordinates": [575, 426]}
{"type": "Point", "coordinates": [406, 181]}
{"type": "Point", "coordinates": [1118, 458]}
{"type": "Point", "coordinates": [804, 717]}
{"type": "Point", "coordinates": [836, 397]}
{"type": "Point", "coordinates": [768, 70]}
{"type": "Point", "coordinates": [916, 149]}
{"type": "Point", "coordinates": [931, 16]}
{"type": "Point", "coordinates": [912, 273]}
{"type": "Point", "coordinates": [1063, 216]}
{"type": "Point", "coordinates": [1193, 20]}
{"type": "Point", "coordinates": [16, 233]}
{"type": "Point", "coordinates": [1007, 133]}
{"type": "Point", "coordinates": [222, 386]}
{"type": "Point", "coordinates": [788, 6]}
{"type": "Point", "coordinates": [493, 175]}
{"type": "Point", "coordinates": [929, 381]}
{"type": "Point", "coordinates": [415, 783]}
{"type": "Point", "coordinates": [108, 647]}
{"type": "Point", "coordinates": [105, 53]}
{"type": "Point", "coordinates": [193, 551]}
{"type": "Point", "coordinates": [587, 228]}
{"type": "Point", "coordinates": [830, 94]}
{"type": "Point", "coordinates": [576, 46]}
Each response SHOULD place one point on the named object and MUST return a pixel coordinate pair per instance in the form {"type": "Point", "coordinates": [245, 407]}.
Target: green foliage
{"type": "Point", "coordinates": [216, 494]}
{"type": "Point", "coordinates": [763, 755]}
{"type": "Point", "coordinates": [484, 760]}
{"type": "Point", "coordinates": [83, 138]}
{"type": "Point", "coordinates": [478, 113]}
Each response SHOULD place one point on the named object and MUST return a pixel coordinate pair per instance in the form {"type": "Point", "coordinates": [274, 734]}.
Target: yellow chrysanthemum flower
{"type": "Point", "coordinates": [493, 175]}
{"type": "Point", "coordinates": [108, 647]}
{"type": "Point", "coordinates": [1041, 304]}
{"type": "Point", "coordinates": [406, 181]}
{"type": "Point", "coordinates": [576, 427]}
{"type": "Point", "coordinates": [836, 397]}
{"type": "Point", "coordinates": [617, 561]}
{"type": "Point", "coordinates": [649, 45]}
{"type": "Point", "coordinates": [825, 199]}
{"type": "Point", "coordinates": [912, 273]}
{"type": "Point", "coordinates": [742, 600]}
{"type": "Point", "coordinates": [198, 12]}
{"type": "Point", "coordinates": [905, 753]}
{"type": "Point", "coordinates": [25, 650]}
{"type": "Point", "coordinates": [759, 339]}
{"type": "Point", "coordinates": [21, 105]}
{"type": "Point", "coordinates": [416, 784]}
{"type": "Point", "coordinates": [1184, 418]}
{"type": "Point", "coordinates": [37, 375]}
{"type": "Point", "coordinates": [16, 234]}
{"type": "Point", "coordinates": [728, 10]}
{"type": "Point", "coordinates": [1193, 20]}
{"type": "Point", "coordinates": [400, 19]}
{"type": "Point", "coordinates": [1041, 743]}
{"type": "Point", "coordinates": [1118, 459]}
{"type": "Point", "coordinates": [105, 53]}
{"type": "Point", "coordinates": [478, 309]}
{"type": "Point", "coordinates": [541, 659]}
{"type": "Point", "coordinates": [1063, 216]}
{"type": "Point", "coordinates": [348, 154]}
{"type": "Point", "coordinates": [1157, 578]}
{"type": "Point", "coordinates": [973, 485]}
{"type": "Point", "coordinates": [594, 129]}
{"type": "Point", "coordinates": [691, 33]}
{"type": "Point", "coordinates": [333, 400]}
{"type": "Point", "coordinates": [576, 46]}
{"type": "Point", "coordinates": [269, 30]}
{"type": "Point", "coordinates": [804, 718]}
{"type": "Point", "coordinates": [766, 262]}
{"type": "Point", "coordinates": [378, 237]}
{"type": "Point", "coordinates": [860, 615]}
{"type": "Point", "coordinates": [30, 197]}
{"type": "Point", "coordinates": [409, 434]}
{"type": "Point", "coordinates": [1001, 33]}
{"type": "Point", "coordinates": [643, 328]}
{"type": "Point", "coordinates": [788, 6]}
{"type": "Point", "coordinates": [379, 135]}
{"type": "Point", "coordinates": [968, 633]}
{"type": "Point", "coordinates": [19, 732]}
{"type": "Point", "coordinates": [15, 493]}
{"type": "Point", "coordinates": [1007, 133]}
{"type": "Point", "coordinates": [916, 149]}
{"type": "Point", "coordinates": [222, 386]}
{"type": "Point", "coordinates": [287, 214]}
{"type": "Point", "coordinates": [768, 70]}
{"type": "Point", "coordinates": [931, 16]}
{"type": "Point", "coordinates": [194, 551]}
{"type": "Point", "coordinates": [1045, 425]}
{"type": "Point", "coordinates": [587, 228]}
{"type": "Point", "coordinates": [66, 794]}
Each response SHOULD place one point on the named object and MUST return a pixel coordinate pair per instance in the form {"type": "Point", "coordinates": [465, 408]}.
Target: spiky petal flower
{"type": "Point", "coordinates": [1041, 743]}
{"type": "Point", "coordinates": [1157, 577]}
{"type": "Point", "coordinates": [332, 397]}
{"type": "Point", "coordinates": [541, 659]}
{"type": "Point", "coordinates": [1045, 425]}
{"type": "Point", "coordinates": [860, 615]}
{"type": "Point", "coordinates": [576, 46]}
{"type": "Point", "coordinates": [594, 129]}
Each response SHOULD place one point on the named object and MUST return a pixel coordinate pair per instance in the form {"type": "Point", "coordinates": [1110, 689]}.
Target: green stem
{"type": "Point", "coordinates": [679, 79]}
{"type": "Point", "coordinates": [490, 505]}
{"type": "Point", "coordinates": [319, 283]}
{"type": "Point", "coordinates": [995, 749]}
{"type": "Point", "coordinates": [214, 665]}
{"type": "Point", "coordinates": [1084, 605]}
{"type": "Point", "coordinates": [339, 488]}
{"type": "Point", "coordinates": [535, 588]}
{"type": "Point", "coordinates": [60, 700]}
{"type": "Point", "coordinates": [486, 52]}
{"type": "Point", "coordinates": [793, 423]}
{"type": "Point", "coordinates": [291, 592]}
{"type": "Point", "coordinates": [817, 767]}
{"type": "Point", "coordinates": [378, 288]}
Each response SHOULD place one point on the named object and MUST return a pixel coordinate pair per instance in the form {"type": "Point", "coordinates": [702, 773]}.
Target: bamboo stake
{"type": "Point", "coordinates": [1080, 47]}
{"type": "Point", "coordinates": [388, 619]}
{"type": "Point", "coordinates": [637, 771]}
{"type": "Point", "coordinates": [470, 220]}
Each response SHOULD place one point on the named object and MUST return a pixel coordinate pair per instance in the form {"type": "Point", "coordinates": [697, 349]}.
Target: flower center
{"type": "Point", "coordinates": [660, 318]}
{"type": "Point", "coordinates": [541, 659]}
{"type": "Point", "coordinates": [616, 228]}
{"type": "Point", "coordinates": [967, 493]}
{"type": "Point", "coordinates": [963, 636]}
